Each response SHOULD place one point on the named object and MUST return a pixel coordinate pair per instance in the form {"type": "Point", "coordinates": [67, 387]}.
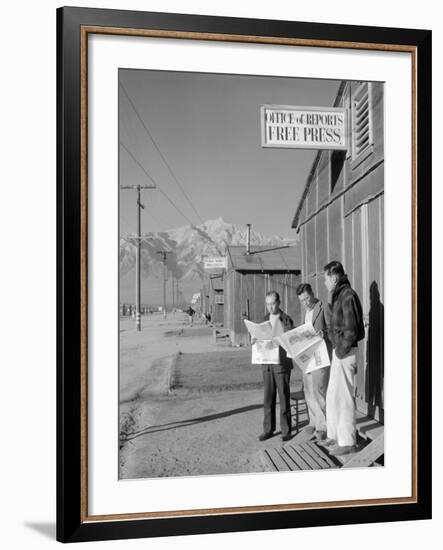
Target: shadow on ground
{"type": "Point", "coordinates": [191, 421]}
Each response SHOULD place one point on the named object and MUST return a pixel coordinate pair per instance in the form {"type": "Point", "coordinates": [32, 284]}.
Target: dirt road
{"type": "Point", "coordinates": [187, 405]}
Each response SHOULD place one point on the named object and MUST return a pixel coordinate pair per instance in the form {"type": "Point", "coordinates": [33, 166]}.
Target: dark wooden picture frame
{"type": "Point", "coordinates": [73, 521]}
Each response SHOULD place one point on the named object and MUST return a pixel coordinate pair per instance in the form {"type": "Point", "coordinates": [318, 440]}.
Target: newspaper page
{"type": "Point", "coordinates": [313, 358]}
{"type": "Point", "coordinates": [259, 331]}
{"type": "Point", "coordinates": [302, 344]}
{"type": "Point", "coordinates": [264, 351]}
{"type": "Point", "coordinates": [306, 347]}
{"type": "Point", "coordinates": [299, 339]}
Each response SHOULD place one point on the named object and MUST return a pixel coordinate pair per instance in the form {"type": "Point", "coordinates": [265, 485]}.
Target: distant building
{"type": "Point", "coordinates": [212, 295]}
{"type": "Point", "coordinates": [204, 297]}
{"type": "Point", "coordinates": [340, 217]}
{"type": "Point", "coordinates": [250, 276]}
{"type": "Point", "coordinates": [216, 299]}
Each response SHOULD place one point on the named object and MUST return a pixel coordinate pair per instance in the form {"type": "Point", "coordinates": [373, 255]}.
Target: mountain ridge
{"type": "Point", "coordinates": [187, 246]}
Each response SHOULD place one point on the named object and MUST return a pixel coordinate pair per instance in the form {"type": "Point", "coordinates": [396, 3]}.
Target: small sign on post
{"type": "Point", "coordinates": [303, 127]}
{"type": "Point", "coordinates": [215, 262]}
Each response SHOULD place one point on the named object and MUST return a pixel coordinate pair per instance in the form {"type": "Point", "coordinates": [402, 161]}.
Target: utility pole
{"type": "Point", "coordinates": [164, 253]}
{"type": "Point", "coordinates": [177, 303]}
{"type": "Point", "coordinates": [138, 188]}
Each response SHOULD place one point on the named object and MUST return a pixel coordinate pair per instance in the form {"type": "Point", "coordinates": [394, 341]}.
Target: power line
{"type": "Point", "coordinates": [155, 183]}
{"type": "Point", "coordinates": [137, 162]}
{"type": "Point", "coordinates": [176, 207]}
{"type": "Point", "coordinates": [174, 177]}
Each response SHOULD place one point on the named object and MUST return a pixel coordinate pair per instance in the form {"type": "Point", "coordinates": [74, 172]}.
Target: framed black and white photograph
{"type": "Point", "coordinates": [243, 274]}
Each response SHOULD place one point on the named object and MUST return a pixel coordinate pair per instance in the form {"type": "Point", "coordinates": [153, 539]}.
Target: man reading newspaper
{"type": "Point", "coordinates": [276, 376]}
{"type": "Point", "coordinates": [315, 383]}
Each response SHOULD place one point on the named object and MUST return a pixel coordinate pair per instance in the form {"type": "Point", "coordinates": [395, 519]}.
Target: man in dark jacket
{"type": "Point", "coordinates": [276, 377]}
{"type": "Point", "coordinates": [345, 322]}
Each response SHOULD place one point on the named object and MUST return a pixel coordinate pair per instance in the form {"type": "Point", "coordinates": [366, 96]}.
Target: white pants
{"type": "Point", "coordinates": [315, 386]}
{"type": "Point", "coordinates": [340, 401]}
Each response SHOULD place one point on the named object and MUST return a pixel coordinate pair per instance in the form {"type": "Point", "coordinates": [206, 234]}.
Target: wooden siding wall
{"type": "Point", "coordinates": [245, 295]}
{"type": "Point", "coordinates": [216, 310]}
{"type": "Point", "coordinates": [204, 297]}
{"type": "Point", "coordinates": [342, 219]}
{"type": "Point", "coordinates": [207, 297]}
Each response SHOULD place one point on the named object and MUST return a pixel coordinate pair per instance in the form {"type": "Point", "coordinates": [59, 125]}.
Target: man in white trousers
{"type": "Point", "coordinates": [315, 384]}
{"type": "Point", "coordinates": [345, 322]}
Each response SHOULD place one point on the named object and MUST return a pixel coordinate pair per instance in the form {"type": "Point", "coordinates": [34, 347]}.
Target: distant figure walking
{"type": "Point", "coordinates": [190, 313]}
{"type": "Point", "coordinates": [345, 322]}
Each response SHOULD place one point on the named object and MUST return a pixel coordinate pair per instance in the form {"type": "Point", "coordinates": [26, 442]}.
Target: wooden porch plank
{"type": "Point", "coordinates": [368, 454]}
{"type": "Point", "coordinates": [297, 458]}
{"type": "Point", "coordinates": [291, 464]}
{"type": "Point", "coordinates": [280, 464]}
{"type": "Point", "coordinates": [343, 459]}
{"type": "Point", "coordinates": [317, 456]}
{"type": "Point", "coordinates": [313, 464]}
{"type": "Point", "coordinates": [313, 448]}
{"type": "Point", "coordinates": [368, 427]}
{"type": "Point", "coordinates": [301, 437]}
{"type": "Point", "coordinates": [269, 460]}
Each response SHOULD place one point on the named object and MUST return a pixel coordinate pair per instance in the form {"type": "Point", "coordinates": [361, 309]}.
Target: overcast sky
{"type": "Point", "coordinates": [207, 128]}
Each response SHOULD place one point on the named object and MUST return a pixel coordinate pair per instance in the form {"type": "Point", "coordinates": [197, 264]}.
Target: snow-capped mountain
{"type": "Point", "coordinates": [187, 246]}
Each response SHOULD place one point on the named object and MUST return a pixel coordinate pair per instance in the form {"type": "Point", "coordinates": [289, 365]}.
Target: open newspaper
{"type": "Point", "coordinates": [306, 347]}
{"type": "Point", "coordinates": [302, 344]}
{"type": "Point", "coordinates": [265, 348]}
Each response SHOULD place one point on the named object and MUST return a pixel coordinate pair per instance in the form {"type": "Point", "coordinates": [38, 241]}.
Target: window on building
{"type": "Point", "coordinates": [337, 164]}
{"type": "Point", "coordinates": [361, 122]}
{"type": "Point", "coordinates": [219, 298]}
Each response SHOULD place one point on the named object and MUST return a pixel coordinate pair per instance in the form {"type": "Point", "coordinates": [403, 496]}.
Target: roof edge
{"type": "Point", "coordinates": [295, 220]}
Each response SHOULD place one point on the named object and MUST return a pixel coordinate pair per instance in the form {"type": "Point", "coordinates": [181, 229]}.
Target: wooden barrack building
{"type": "Point", "coordinates": [340, 217]}
{"type": "Point", "coordinates": [216, 298]}
{"type": "Point", "coordinates": [250, 276]}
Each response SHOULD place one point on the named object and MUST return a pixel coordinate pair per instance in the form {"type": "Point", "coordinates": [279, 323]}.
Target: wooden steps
{"type": "Point", "coordinates": [307, 455]}
{"type": "Point", "coordinates": [299, 456]}
{"type": "Point", "coordinates": [301, 437]}
{"type": "Point", "coordinates": [368, 427]}
{"type": "Point", "coordinates": [303, 454]}
{"type": "Point", "coordinates": [344, 459]}
{"type": "Point", "coordinates": [368, 455]}
{"type": "Point", "coordinates": [220, 335]}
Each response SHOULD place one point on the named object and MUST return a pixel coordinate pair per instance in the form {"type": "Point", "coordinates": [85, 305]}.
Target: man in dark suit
{"type": "Point", "coordinates": [276, 377]}
{"type": "Point", "coordinates": [315, 384]}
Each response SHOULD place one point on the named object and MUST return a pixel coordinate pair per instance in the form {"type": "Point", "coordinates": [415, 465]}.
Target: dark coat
{"type": "Point", "coordinates": [285, 362]}
{"type": "Point", "coordinates": [344, 318]}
